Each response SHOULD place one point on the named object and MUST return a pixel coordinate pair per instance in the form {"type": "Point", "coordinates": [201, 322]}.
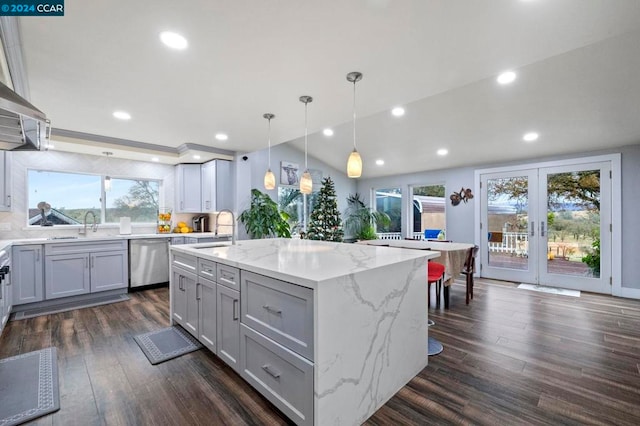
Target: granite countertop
{"type": "Point", "coordinates": [303, 262]}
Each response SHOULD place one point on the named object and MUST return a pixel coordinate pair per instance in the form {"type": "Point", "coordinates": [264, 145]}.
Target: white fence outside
{"type": "Point", "coordinates": [516, 243]}
{"type": "Point", "coordinates": [398, 236]}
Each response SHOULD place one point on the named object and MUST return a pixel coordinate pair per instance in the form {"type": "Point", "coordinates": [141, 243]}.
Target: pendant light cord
{"type": "Point", "coordinates": [269, 138]}
{"type": "Point", "coordinates": [354, 115]}
{"type": "Point", "coordinates": [305, 134]}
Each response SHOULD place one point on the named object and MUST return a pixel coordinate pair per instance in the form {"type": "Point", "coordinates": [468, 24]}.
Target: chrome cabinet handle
{"type": "Point", "coordinates": [533, 227]}
{"type": "Point", "coordinates": [8, 200]}
{"type": "Point", "coordinates": [271, 372]}
{"type": "Point", "coordinates": [235, 309]}
{"type": "Point", "coordinates": [197, 292]}
{"type": "Point", "coordinates": [272, 309]}
{"type": "Point", "coordinates": [542, 229]}
{"type": "Point", "coordinates": [227, 280]}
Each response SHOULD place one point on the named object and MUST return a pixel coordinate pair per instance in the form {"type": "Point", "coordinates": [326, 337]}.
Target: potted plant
{"type": "Point", "coordinates": [263, 219]}
{"type": "Point", "coordinates": [360, 221]}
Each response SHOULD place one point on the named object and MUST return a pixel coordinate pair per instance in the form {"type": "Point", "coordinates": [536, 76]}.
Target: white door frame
{"type": "Point", "coordinates": [616, 205]}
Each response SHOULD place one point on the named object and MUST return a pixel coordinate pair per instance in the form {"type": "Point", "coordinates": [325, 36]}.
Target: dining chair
{"type": "Point", "coordinates": [435, 274]}
{"type": "Point", "coordinates": [469, 268]}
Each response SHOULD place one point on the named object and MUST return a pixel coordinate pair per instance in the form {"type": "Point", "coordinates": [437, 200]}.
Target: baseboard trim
{"type": "Point", "coordinates": [631, 293]}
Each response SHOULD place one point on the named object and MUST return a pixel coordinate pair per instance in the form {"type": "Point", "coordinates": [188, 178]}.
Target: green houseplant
{"type": "Point", "coordinates": [592, 259]}
{"type": "Point", "coordinates": [360, 221]}
{"type": "Point", "coordinates": [263, 219]}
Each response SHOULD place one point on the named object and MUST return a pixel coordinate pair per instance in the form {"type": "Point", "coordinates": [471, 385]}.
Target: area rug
{"type": "Point", "coordinates": [434, 347]}
{"type": "Point", "coordinates": [165, 344]}
{"type": "Point", "coordinates": [28, 386]}
{"type": "Point", "coordinates": [550, 290]}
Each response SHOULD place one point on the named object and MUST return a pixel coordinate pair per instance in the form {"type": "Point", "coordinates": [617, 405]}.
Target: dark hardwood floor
{"type": "Point", "coordinates": [511, 357]}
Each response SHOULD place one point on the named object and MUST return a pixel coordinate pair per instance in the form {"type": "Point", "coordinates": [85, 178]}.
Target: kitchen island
{"type": "Point", "coordinates": [328, 332]}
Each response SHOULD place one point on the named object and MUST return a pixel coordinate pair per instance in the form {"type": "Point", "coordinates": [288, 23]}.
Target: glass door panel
{"type": "Point", "coordinates": [508, 222]}
{"type": "Point", "coordinates": [576, 221]}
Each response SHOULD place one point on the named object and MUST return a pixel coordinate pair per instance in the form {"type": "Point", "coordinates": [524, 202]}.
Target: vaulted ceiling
{"type": "Point", "coordinates": [577, 64]}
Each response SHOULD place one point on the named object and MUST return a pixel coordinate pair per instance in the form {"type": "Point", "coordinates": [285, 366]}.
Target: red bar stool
{"type": "Point", "coordinates": [435, 274]}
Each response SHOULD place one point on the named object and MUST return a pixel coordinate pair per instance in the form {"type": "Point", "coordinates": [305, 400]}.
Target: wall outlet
{"type": "Point", "coordinates": [4, 226]}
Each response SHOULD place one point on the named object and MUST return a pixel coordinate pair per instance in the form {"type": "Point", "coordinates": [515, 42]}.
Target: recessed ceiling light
{"type": "Point", "coordinates": [398, 111]}
{"type": "Point", "coordinates": [155, 159]}
{"type": "Point", "coordinates": [222, 136]}
{"type": "Point", "coordinates": [196, 157]}
{"type": "Point", "coordinates": [327, 132]}
{"type": "Point", "coordinates": [441, 152]}
{"type": "Point", "coordinates": [122, 115]}
{"type": "Point", "coordinates": [173, 40]}
{"type": "Point", "coordinates": [506, 77]}
{"type": "Point", "coordinates": [380, 162]}
{"type": "Point", "coordinates": [530, 137]}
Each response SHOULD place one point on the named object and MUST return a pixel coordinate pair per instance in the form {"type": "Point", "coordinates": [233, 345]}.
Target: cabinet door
{"type": "Point", "coordinates": [188, 188]}
{"type": "Point", "coordinates": [28, 274]}
{"type": "Point", "coordinates": [223, 185]}
{"type": "Point", "coordinates": [209, 186]}
{"type": "Point", "coordinates": [190, 283]}
{"type": "Point", "coordinates": [66, 275]}
{"type": "Point", "coordinates": [207, 310]}
{"type": "Point", "coordinates": [228, 326]}
{"type": "Point", "coordinates": [109, 271]}
{"type": "Point", "coordinates": [178, 296]}
{"type": "Point", "coordinates": [5, 181]}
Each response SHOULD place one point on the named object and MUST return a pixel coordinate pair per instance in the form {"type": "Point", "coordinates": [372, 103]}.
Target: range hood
{"type": "Point", "coordinates": [22, 126]}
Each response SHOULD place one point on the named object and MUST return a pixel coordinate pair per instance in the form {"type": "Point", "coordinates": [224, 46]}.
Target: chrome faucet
{"type": "Point", "coordinates": [94, 227]}
{"type": "Point", "coordinates": [233, 224]}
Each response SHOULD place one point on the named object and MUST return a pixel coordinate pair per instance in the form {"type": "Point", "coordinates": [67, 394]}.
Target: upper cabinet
{"type": "Point", "coordinates": [204, 188]}
{"type": "Point", "coordinates": [188, 188]}
{"type": "Point", "coordinates": [5, 181]}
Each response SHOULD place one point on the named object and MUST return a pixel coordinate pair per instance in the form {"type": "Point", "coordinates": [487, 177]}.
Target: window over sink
{"type": "Point", "coordinates": [71, 195]}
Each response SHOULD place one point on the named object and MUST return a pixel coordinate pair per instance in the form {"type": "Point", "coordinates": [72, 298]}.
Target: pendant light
{"type": "Point", "coordinates": [269, 177]}
{"type": "Point", "coordinates": [306, 184]}
{"type": "Point", "coordinates": [354, 164]}
{"type": "Point", "coordinates": [107, 179]}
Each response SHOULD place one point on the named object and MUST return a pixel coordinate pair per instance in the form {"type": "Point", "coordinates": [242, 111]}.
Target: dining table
{"type": "Point", "coordinates": [452, 255]}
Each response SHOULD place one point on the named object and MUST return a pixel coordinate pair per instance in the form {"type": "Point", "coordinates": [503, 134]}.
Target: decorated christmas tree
{"type": "Point", "coordinates": [325, 223]}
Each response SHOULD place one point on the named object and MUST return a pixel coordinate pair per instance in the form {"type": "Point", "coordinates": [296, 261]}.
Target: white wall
{"type": "Point", "coordinates": [80, 163]}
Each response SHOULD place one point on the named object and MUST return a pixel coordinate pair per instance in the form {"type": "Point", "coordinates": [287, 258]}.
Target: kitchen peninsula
{"type": "Point", "coordinates": [328, 332]}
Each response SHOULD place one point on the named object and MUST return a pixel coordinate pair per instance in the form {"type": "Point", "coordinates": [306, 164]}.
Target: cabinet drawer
{"type": "Point", "coordinates": [228, 276]}
{"type": "Point", "coordinates": [80, 246]}
{"type": "Point", "coordinates": [207, 269]}
{"type": "Point", "coordinates": [283, 377]}
{"type": "Point", "coordinates": [279, 310]}
{"type": "Point", "coordinates": [184, 261]}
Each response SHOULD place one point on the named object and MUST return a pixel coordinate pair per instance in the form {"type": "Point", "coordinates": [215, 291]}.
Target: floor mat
{"type": "Point", "coordinates": [165, 344]}
{"type": "Point", "coordinates": [550, 290]}
{"type": "Point", "coordinates": [28, 386]}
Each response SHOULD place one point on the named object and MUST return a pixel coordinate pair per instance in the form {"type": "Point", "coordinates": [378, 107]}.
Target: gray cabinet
{"type": "Point", "coordinates": [217, 186]}
{"type": "Point", "coordinates": [108, 270]}
{"type": "Point", "coordinates": [191, 318]}
{"type": "Point", "coordinates": [228, 326]}
{"type": "Point", "coordinates": [188, 188]}
{"type": "Point", "coordinates": [207, 313]}
{"type": "Point", "coordinates": [179, 294]}
{"type": "Point", "coordinates": [67, 275]}
{"type": "Point", "coordinates": [5, 181]}
{"type": "Point", "coordinates": [28, 274]}
{"type": "Point", "coordinates": [177, 241]}
{"type": "Point", "coordinates": [85, 267]}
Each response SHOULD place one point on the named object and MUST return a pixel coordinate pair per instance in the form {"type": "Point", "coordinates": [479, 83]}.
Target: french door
{"type": "Point", "coordinates": [549, 226]}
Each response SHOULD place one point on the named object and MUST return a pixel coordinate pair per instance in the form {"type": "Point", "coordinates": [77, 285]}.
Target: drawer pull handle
{"type": "Point", "coordinates": [272, 373]}
{"type": "Point", "coordinates": [228, 281]}
{"type": "Point", "coordinates": [235, 309]}
{"type": "Point", "coordinates": [272, 309]}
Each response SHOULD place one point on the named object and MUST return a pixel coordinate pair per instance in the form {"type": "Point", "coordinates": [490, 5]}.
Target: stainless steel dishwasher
{"type": "Point", "coordinates": [148, 261]}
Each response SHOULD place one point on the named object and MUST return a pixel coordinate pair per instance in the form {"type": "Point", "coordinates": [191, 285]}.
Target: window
{"type": "Point", "coordinates": [429, 210]}
{"type": "Point", "coordinates": [389, 201]}
{"type": "Point", "coordinates": [291, 201]}
{"type": "Point", "coordinates": [67, 197]}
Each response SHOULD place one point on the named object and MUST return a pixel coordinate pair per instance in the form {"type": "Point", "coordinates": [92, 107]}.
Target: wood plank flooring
{"type": "Point", "coordinates": [511, 357]}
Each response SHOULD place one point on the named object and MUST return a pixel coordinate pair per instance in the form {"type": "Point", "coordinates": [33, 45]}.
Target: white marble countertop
{"type": "Point", "coordinates": [4, 244]}
{"type": "Point", "coordinates": [303, 262]}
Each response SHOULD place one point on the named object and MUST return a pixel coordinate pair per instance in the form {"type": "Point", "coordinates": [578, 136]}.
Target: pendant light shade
{"type": "Point", "coordinates": [107, 179]}
{"type": "Point", "coordinates": [269, 177]}
{"type": "Point", "coordinates": [354, 163]}
{"type": "Point", "coordinates": [306, 184]}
